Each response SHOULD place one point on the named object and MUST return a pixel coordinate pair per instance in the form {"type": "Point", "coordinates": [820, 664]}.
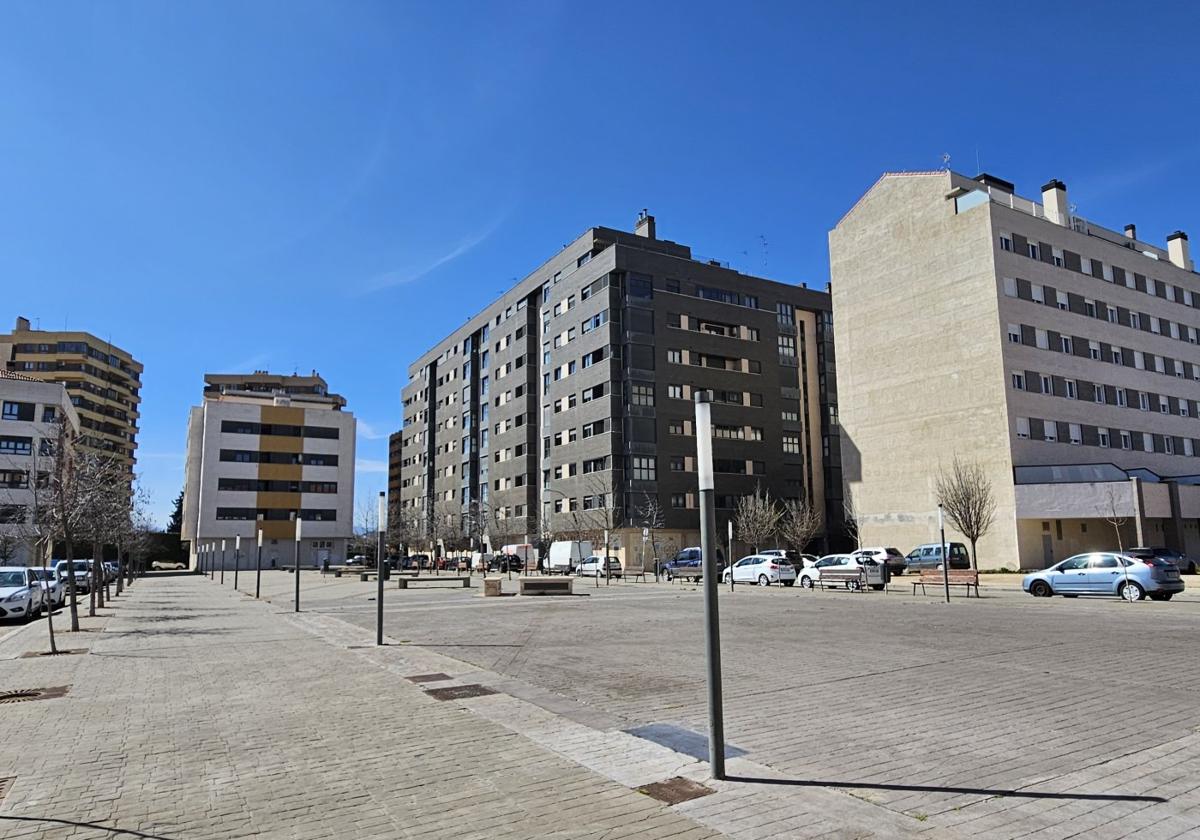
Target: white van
{"type": "Point", "coordinates": [565, 556]}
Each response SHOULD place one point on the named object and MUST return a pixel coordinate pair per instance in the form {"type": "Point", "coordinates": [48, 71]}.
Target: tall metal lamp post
{"type": "Point", "coordinates": [258, 560]}
{"type": "Point", "coordinates": [296, 608]}
{"type": "Point", "coordinates": [945, 554]}
{"type": "Point", "coordinates": [708, 550]}
{"type": "Point", "coordinates": [222, 562]}
{"type": "Point", "coordinates": [237, 558]}
{"type": "Point", "coordinates": [380, 564]}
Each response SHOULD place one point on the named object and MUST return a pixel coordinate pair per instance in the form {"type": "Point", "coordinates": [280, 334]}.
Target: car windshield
{"type": "Point", "coordinates": [12, 578]}
{"type": "Point", "coordinates": [42, 574]}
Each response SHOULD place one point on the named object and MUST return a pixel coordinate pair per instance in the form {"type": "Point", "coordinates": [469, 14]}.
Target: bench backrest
{"type": "Point", "coordinates": [956, 576]}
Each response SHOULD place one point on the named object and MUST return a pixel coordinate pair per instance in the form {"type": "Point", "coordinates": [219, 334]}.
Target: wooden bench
{"type": "Point", "coordinates": [853, 579]}
{"type": "Point", "coordinates": [958, 577]}
{"type": "Point", "coordinates": [406, 581]}
{"type": "Point", "coordinates": [692, 573]}
{"type": "Point", "coordinates": [545, 585]}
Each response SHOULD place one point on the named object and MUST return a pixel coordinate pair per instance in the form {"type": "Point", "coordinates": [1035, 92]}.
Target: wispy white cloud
{"type": "Point", "coordinates": [407, 275]}
{"type": "Point", "coordinates": [368, 431]}
{"type": "Point", "coordinates": [370, 465]}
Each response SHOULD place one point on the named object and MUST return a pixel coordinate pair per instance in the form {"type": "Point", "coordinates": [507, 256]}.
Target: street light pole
{"type": "Point", "coordinates": [380, 562]}
{"type": "Point", "coordinates": [708, 539]}
{"type": "Point", "coordinates": [945, 554]}
{"type": "Point", "coordinates": [237, 558]}
{"type": "Point", "coordinates": [296, 607]}
{"type": "Point", "coordinates": [258, 564]}
{"type": "Point", "coordinates": [222, 562]}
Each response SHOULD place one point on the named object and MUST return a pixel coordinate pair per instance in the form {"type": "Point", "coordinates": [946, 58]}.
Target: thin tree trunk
{"type": "Point", "coordinates": [50, 607]}
{"type": "Point", "coordinates": [71, 592]}
{"type": "Point", "coordinates": [974, 558]}
{"type": "Point", "coordinates": [94, 584]}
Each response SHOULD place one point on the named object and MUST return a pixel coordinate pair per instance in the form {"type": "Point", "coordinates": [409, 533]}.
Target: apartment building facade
{"type": "Point", "coordinates": [565, 406]}
{"type": "Point", "coordinates": [264, 449]}
{"type": "Point", "coordinates": [103, 381]}
{"type": "Point", "coordinates": [33, 414]}
{"type": "Point", "coordinates": [1060, 355]}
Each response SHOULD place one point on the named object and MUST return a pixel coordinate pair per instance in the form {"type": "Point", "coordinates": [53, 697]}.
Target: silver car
{"type": "Point", "coordinates": [1107, 573]}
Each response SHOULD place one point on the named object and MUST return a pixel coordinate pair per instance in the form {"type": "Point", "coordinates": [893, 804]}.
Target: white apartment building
{"type": "Point", "coordinates": [30, 415]}
{"type": "Point", "coordinates": [1059, 354]}
{"type": "Point", "coordinates": [262, 449]}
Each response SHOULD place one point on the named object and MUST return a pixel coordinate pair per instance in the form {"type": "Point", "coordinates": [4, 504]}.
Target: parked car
{"type": "Point", "coordinates": [891, 557]}
{"type": "Point", "coordinates": [110, 572]}
{"type": "Point", "coordinates": [670, 569]}
{"type": "Point", "coordinates": [594, 567]}
{"type": "Point", "coordinates": [693, 553]}
{"type": "Point", "coordinates": [357, 560]}
{"type": "Point", "coordinates": [21, 596]}
{"type": "Point", "coordinates": [761, 569]}
{"type": "Point", "coordinates": [54, 589]}
{"type": "Point", "coordinates": [929, 556]}
{"type": "Point", "coordinates": [1182, 562]}
{"type": "Point", "coordinates": [506, 563]}
{"type": "Point", "coordinates": [1107, 573]}
{"type": "Point", "coordinates": [81, 570]}
{"type": "Point", "coordinates": [809, 577]}
{"type": "Point", "coordinates": [167, 565]}
{"type": "Point", "coordinates": [417, 561]}
{"type": "Point", "coordinates": [799, 561]}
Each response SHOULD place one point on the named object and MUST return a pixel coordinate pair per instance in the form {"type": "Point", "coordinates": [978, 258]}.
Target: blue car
{"type": "Point", "coordinates": [1107, 573]}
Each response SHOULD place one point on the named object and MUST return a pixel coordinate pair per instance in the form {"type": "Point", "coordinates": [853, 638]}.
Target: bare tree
{"type": "Point", "coordinates": [405, 527]}
{"type": "Point", "coordinates": [1117, 520]}
{"type": "Point", "coordinates": [852, 519]}
{"type": "Point", "coordinates": [966, 497]}
{"type": "Point", "coordinates": [756, 518]}
{"type": "Point", "coordinates": [652, 517]}
{"type": "Point", "coordinates": [799, 523]}
{"type": "Point", "coordinates": [366, 530]}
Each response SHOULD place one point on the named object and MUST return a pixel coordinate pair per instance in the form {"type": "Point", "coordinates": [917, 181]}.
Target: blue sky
{"type": "Point", "coordinates": [226, 186]}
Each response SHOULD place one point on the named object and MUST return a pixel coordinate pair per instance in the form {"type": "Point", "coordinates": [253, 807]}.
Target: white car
{"type": "Point", "coordinates": [843, 562]}
{"type": "Point", "coordinates": [55, 590]}
{"type": "Point", "coordinates": [891, 557]}
{"type": "Point", "coordinates": [592, 567]}
{"type": "Point", "coordinates": [762, 569]}
{"type": "Point", "coordinates": [20, 594]}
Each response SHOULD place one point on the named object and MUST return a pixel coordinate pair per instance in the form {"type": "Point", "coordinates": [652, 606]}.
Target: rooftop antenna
{"type": "Point", "coordinates": [978, 168]}
{"type": "Point", "coordinates": [945, 161]}
{"type": "Point", "coordinates": [763, 242]}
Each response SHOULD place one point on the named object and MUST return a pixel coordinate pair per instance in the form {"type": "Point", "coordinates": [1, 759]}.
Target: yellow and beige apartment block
{"type": "Point", "coordinates": [103, 381]}
{"type": "Point", "coordinates": [1059, 354]}
{"type": "Point", "coordinates": [262, 450]}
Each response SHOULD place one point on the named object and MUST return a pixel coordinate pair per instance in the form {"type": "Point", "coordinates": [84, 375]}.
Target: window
{"type": "Point", "coordinates": [1006, 243]}
{"type": "Point", "coordinates": [643, 468]}
{"type": "Point", "coordinates": [1143, 401]}
{"type": "Point", "coordinates": [791, 444]}
{"type": "Point", "coordinates": [1063, 301]}
{"type": "Point", "coordinates": [641, 394]}
{"type": "Point", "coordinates": [1010, 287]}
{"type": "Point", "coordinates": [1037, 292]}
{"type": "Point", "coordinates": [1047, 385]}
{"type": "Point", "coordinates": [1056, 255]}
{"type": "Point", "coordinates": [1094, 350]}
{"type": "Point", "coordinates": [1126, 440]}
{"type": "Point", "coordinates": [1111, 312]}
{"type": "Point", "coordinates": [1169, 445]}
{"type": "Point", "coordinates": [786, 314]}
{"type": "Point", "coordinates": [593, 393]}
{"type": "Point", "coordinates": [678, 463]}
{"type": "Point", "coordinates": [1155, 325]}
{"type": "Point", "coordinates": [1050, 431]}
{"type": "Point", "coordinates": [671, 284]}
{"type": "Point", "coordinates": [1187, 447]}
{"type": "Point", "coordinates": [675, 392]}
{"type": "Point", "coordinates": [1023, 427]}
{"type": "Point", "coordinates": [1018, 381]}
{"type": "Point", "coordinates": [11, 411]}
{"type": "Point", "coordinates": [1147, 442]}
{"type": "Point", "coordinates": [1117, 358]}
{"type": "Point", "coordinates": [49, 414]}
{"type": "Point", "coordinates": [1014, 333]}
{"type": "Point", "coordinates": [1067, 345]}
{"type": "Point", "coordinates": [787, 346]}
{"type": "Point", "coordinates": [1033, 250]}
{"type": "Point", "coordinates": [675, 357]}
{"type": "Point", "coordinates": [597, 320]}
{"type": "Point", "coordinates": [1183, 408]}
{"type": "Point", "coordinates": [678, 500]}
{"type": "Point", "coordinates": [1089, 307]}
{"type": "Point", "coordinates": [1042, 339]}
{"type": "Point", "coordinates": [1164, 405]}
{"type": "Point", "coordinates": [1085, 265]}
{"type": "Point", "coordinates": [640, 285]}
{"type": "Point", "coordinates": [1072, 392]}
{"type": "Point", "coordinates": [1103, 435]}
{"type": "Point", "coordinates": [676, 427]}
{"type": "Point", "coordinates": [1098, 394]}
{"type": "Point", "coordinates": [1122, 400]}
{"type": "Point", "coordinates": [1135, 320]}
{"type": "Point", "coordinates": [1076, 433]}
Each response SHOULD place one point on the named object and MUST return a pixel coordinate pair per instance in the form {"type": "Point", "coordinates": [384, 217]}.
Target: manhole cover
{"type": "Point", "coordinates": [23, 695]}
{"type": "Point", "coordinates": [458, 692]}
{"type": "Point", "coordinates": [33, 654]}
{"type": "Point", "coordinates": [676, 790]}
{"type": "Point", "coordinates": [424, 678]}
{"type": "Point", "coordinates": [5, 784]}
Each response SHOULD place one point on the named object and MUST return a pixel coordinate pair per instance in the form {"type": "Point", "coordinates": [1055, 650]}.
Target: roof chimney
{"type": "Point", "coordinates": [645, 225]}
{"type": "Point", "coordinates": [1054, 203]}
{"type": "Point", "coordinates": [22, 324]}
{"type": "Point", "coordinates": [1131, 230]}
{"type": "Point", "coordinates": [1178, 251]}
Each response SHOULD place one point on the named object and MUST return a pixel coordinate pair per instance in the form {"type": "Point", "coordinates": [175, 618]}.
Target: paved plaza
{"type": "Point", "coordinates": [198, 712]}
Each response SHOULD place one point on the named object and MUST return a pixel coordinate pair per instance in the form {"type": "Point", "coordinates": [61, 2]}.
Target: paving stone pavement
{"type": "Point", "coordinates": [1001, 717]}
{"type": "Point", "coordinates": [200, 713]}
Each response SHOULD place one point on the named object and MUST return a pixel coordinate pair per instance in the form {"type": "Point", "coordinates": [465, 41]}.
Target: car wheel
{"type": "Point", "coordinates": [1166, 596]}
{"type": "Point", "coordinates": [852, 585]}
{"type": "Point", "coordinates": [1131, 591]}
{"type": "Point", "coordinates": [878, 587]}
{"type": "Point", "coordinates": [1040, 589]}
{"type": "Point", "coordinates": [668, 577]}
{"type": "Point", "coordinates": [763, 580]}
{"type": "Point", "coordinates": [806, 583]}
{"type": "Point", "coordinates": [1191, 569]}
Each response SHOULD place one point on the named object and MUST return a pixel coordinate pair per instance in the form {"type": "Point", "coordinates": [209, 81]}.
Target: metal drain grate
{"type": "Point", "coordinates": [424, 678]}
{"type": "Point", "coordinates": [24, 695]}
{"type": "Point", "coordinates": [675, 790]}
{"type": "Point", "coordinates": [458, 692]}
{"type": "Point", "coordinates": [5, 785]}
{"type": "Point", "coordinates": [34, 654]}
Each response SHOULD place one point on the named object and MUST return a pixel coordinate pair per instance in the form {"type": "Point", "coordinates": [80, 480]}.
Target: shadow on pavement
{"type": "Point", "coordinates": [110, 829]}
{"type": "Point", "coordinates": [1024, 794]}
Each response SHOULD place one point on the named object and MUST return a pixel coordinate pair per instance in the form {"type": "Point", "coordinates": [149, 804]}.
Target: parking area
{"type": "Point", "coordinates": [1000, 712]}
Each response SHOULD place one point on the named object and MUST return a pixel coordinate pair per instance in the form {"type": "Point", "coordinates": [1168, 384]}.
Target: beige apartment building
{"type": "Point", "coordinates": [103, 381]}
{"type": "Point", "coordinates": [262, 449]}
{"type": "Point", "coordinates": [1059, 354]}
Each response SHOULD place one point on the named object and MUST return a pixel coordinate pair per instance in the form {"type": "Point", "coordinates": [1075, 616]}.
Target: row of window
{"type": "Point", "coordinates": [1101, 351]}
{"type": "Point", "coordinates": [249, 456]}
{"type": "Point", "coordinates": [26, 412]}
{"type": "Point", "coordinates": [1100, 394]}
{"type": "Point", "coordinates": [245, 427]}
{"type": "Point", "coordinates": [570, 401]}
{"type": "Point", "coordinates": [79, 347]}
{"type": "Point", "coordinates": [719, 395]}
{"type": "Point", "coordinates": [1077, 434]}
{"type": "Point", "coordinates": [1100, 270]}
{"type": "Point", "coordinates": [277, 514]}
{"type": "Point", "coordinates": [253, 485]}
{"type": "Point", "coordinates": [711, 360]}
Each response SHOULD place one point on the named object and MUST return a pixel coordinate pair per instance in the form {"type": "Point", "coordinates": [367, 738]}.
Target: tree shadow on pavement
{"type": "Point", "coordinates": [127, 832]}
{"type": "Point", "coordinates": [969, 791]}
